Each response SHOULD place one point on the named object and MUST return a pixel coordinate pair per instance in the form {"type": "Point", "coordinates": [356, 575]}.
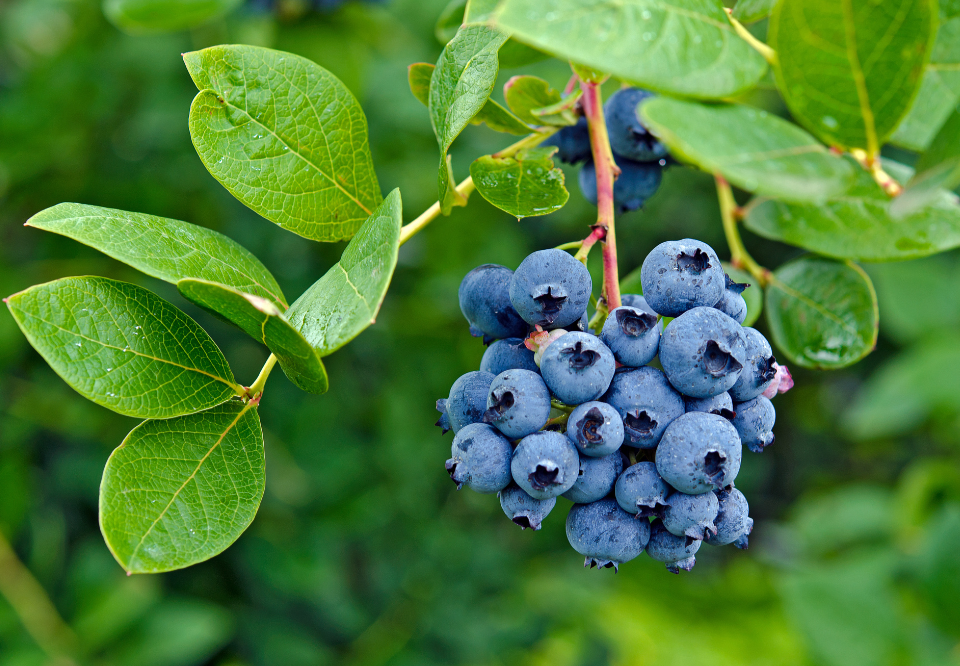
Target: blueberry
{"type": "Point", "coordinates": [628, 136]}
{"type": "Point", "coordinates": [545, 464]}
{"type": "Point", "coordinates": [480, 459]}
{"type": "Point", "coordinates": [680, 275]}
{"type": "Point", "coordinates": [596, 478]}
{"type": "Point", "coordinates": [632, 334]}
{"type": "Point", "coordinates": [577, 367]}
{"type": "Point", "coordinates": [508, 354]}
{"type": "Point", "coordinates": [640, 490]}
{"type": "Point", "coordinates": [674, 551]}
{"type": "Point", "coordinates": [595, 428]}
{"type": "Point", "coordinates": [485, 302]}
{"type": "Point", "coordinates": [467, 401]}
{"type": "Point", "coordinates": [699, 452]}
{"type": "Point", "coordinates": [754, 422]}
{"type": "Point", "coordinates": [573, 142]}
{"type": "Point", "coordinates": [524, 510]}
{"type": "Point", "coordinates": [731, 301]}
{"type": "Point", "coordinates": [551, 289]}
{"type": "Point", "coordinates": [637, 182]}
{"type": "Point", "coordinates": [733, 522]}
{"type": "Point", "coordinates": [759, 367]}
{"type": "Point", "coordinates": [720, 404]}
{"type": "Point", "coordinates": [646, 402]}
{"type": "Point", "coordinates": [636, 301]}
{"type": "Point", "coordinates": [518, 403]}
{"type": "Point", "coordinates": [691, 515]}
{"type": "Point", "coordinates": [605, 534]}
{"type": "Point", "coordinates": [702, 352]}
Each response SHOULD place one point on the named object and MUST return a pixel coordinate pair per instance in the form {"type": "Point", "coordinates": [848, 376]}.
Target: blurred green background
{"type": "Point", "coordinates": [363, 553]}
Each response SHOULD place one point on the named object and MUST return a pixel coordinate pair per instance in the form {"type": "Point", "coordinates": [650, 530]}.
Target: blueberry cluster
{"type": "Point", "coordinates": [648, 456]}
{"type": "Point", "coordinates": [639, 155]}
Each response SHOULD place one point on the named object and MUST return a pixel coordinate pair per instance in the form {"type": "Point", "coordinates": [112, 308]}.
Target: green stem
{"type": "Point", "coordinates": [768, 53]}
{"type": "Point", "coordinates": [739, 256]}
{"type": "Point", "coordinates": [572, 245]}
{"type": "Point", "coordinates": [255, 390]}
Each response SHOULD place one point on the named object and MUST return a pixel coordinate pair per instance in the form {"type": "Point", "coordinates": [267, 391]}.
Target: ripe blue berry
{"type": "Point", "coordinates": [596, 478]}
{"type": "Point", "coordinates": [759, 367]}
{"type": "Point", "coordinates": [550, 289]}
{"type": "Point", "coordinates": [680, 275]}
{"type": "Point", "coordinates": [480, 459]}
{"type": "Point", "coordinates": [545, 464]}
{"type": "Point", "coordinates": [467, 401]}
{"type": "Point", "coordinates": [637, 182]}
{"type": "Point", "coordinates": [524, 510]}
{"type": "Point", "coordinates": [754, 422]}
{"type": "Point", "coordinates": [595, 428]}
{"type": "Point", "coordinates": [640, 490]}
{"type": "Point", "coordinates": [731, 302]}
{"type": "Point", "coordinates": [646, 402]}
{"type": "Point", "coordinates": [702, 352]}
{"type": "Point", "coordinates": [733, 522]}
{"type": "Point", "coordinates": [691, 515]}
{"type": "Point", "coordinates": [699, 452]}
{"type": "Point", "coordinates": [605, 534]}
{"type": "Point", "coordinates": [720, 404]}
{"type": "Point", "coordinates": [485, 302]}
{"type": "Point", "coordinates": [508, 354]}
{"type": "Point", "coordinates": [674, 551]}
{"type": "Point", "coordinates": [577, 367]}
{"type": "Point", "coordinates": [572, 141]}
{"type": "Point", "coordinates": [518, 403]}
{"type": "Point", "coordinates": [632, 334]}
{"type": "Point", "coordinates": [628, 136]}
{"type": "Point", "coordinates": [636, 301]}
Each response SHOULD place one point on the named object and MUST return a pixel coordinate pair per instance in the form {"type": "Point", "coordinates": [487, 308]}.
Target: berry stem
{"type": "Point", "coordinates": [739, 256]}
{"type": "Point", "coordinates": [255, 390]}
{"type": "Point", "coordinates": [768, 53]}
{"type": "Point", "coordinates": [883, 179]}
{"type": "Point", "coordinates": [598, 234]}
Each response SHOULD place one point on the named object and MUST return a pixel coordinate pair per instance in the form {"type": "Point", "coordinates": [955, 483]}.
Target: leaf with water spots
{"type": "Point", "coordinates": [525, 185]}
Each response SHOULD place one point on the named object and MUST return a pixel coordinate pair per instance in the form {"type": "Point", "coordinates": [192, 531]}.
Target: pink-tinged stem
{"type": "Point", "coordinates": [571, 85]}
{"type": "Point", "coordinates": [598, 233]}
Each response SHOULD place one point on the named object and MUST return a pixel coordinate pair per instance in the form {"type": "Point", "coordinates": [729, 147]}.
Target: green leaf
{"type": "Point", "coordinates": [143, 16]}
{"type": "Point", "coordinates": [124, 347]}
{"type": "Point", "coordinates": [524, 186]}
{"type": "Point", "coordinates": [756, 150]}
{"type": "Point", "coordinates": [849, 70]}
{"type": "Point", "coordinates": [517, 54]}
{"type": "Point", "coordinates": [561, 113]}
{"type": "Point", "coordinates": [418, 76]}
{"type": "Point", "coordinates": [525, 93]}
{"type": "Point", "coordinates": [479, 11]}
{"type": "Point", "coordinates": [860, 224]}
{"type": "Point", "coordinates": [822, 313]}
{"type": "Point", "coordinates": [938, 569]}
{"type": "Point", "coordinates": [751, 11]}
{"type": "Point", "coordinates": [683, 47]}
{"type": "Point", "coordinates": [449, 21]}
{"type": "Point", "coordinates": [263, 321]}
{"type": "Point", "coordinates": [285, 137]}
{"type": "Point", "coordinates": [937, 169]}
{"type": "Point", "coordinates": [167, 249]}
{"type": "Point", "coordinates": [341, 304]}
{"type": "Point", "coordinates": [461, 85]}
{"type": "Point", "coordinates": [631, 283]}
{"type": "Point", "coordinates": [753, 294]}
{"type": "Point", "coordinates": [179, 491]}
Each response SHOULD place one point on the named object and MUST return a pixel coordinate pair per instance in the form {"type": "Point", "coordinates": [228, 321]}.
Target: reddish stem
{"type": "Point", "coordinates": [598, 234]}
{"type": "Point", "coordinates": [571, 85]}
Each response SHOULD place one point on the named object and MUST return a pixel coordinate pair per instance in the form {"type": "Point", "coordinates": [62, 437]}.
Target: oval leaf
{"type": "Point", "coordinates": [140, 16]}
{"type": "Point", "coordinates": [751, 11]}
{"type": "Point", "coordinates": [167, 249]}
{"type": "Point", "coordinates": [524, 186]}
{"type": "Point", "coordinates": [525, 93]}
{"type": "Point", "coordinates": [753, 295]}
{"type": "Point", "coordinates": [418, 76]}
{"type": "Point", "coordinates": [756, 150]}
{"type": "Point", "coordinates": [124, 347]}
{"type": "Point", "coordinates": [849, 70]}
{"type": "Point", "coordinates": [179, 491]}
{"type": "Point", "coordinates": [263, 321]}
{"type": "Point", "coordinates": [646, 42]}
{"type": "Point", "coordinates": [822, 313]}
{"type": "Point", "coordinates": [285, 137]}
{"type": "Point", "coordinates": [347, 299]}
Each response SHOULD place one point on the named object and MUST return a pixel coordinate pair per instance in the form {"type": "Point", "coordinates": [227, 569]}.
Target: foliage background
{"type": "Point", "coordinates": [362, 552]}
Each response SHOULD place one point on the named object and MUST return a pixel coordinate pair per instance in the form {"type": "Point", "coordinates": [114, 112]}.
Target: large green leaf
{"type": "Point", "coordinates": [822, 313]}
{"type": "Point", "coordinates": [860, 224]}
{"type": "Point", "coordinates": [524, 185]}
{"type": "Point", "coordinates": [179, 491]}
{"type": "Point", "coordinates": [849, 69]}
{"type": "Point", "coordinates": [285, 137]}
{"type": "Point", "coordinates": [460, 87]}
{"type": "Point", "coordinates": [167, 249]}
{"type": "Point", "coordinates": [685, 47]}
{"type": "Point", "coordinates": [124, 347]}
{"type": "Point", "coordinates": [346, 300]}
{"type": "Point", "coordinates": [756, 150]}
{"type": "Point", "coordinates": [751, 11]}
{"type": "Point", "coordinates": [140, 16]}
{"type": "Point", "coordinates": [263, 321]}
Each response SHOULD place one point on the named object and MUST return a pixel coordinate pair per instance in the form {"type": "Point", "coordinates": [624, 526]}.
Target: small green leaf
{"type": "Point", "coordinates": [285, 137]}
{"type": "Point", "coordinates": [753, 294]}
{"type": "Point", "coordinates": [179, 491]}
{"type": "Point", "coordinates": [461, 85]}
{"type": "Point", "coordinates": [524, 186]}
{"type": "Point", "coordinates": [751, 11]}
{"type": "Point", "coordinates": [684, 47]}
{"type": "Point", "coordinates": [418, 75]}
{"type": "Point", "coordinates": [124, 347]}
{"type": "Point", "coordinates": [756, 150]}
{"type": "Point", "coordinates": [341, 304]}
{"type": "Point", "coordinates": [822, 313]}
{"type": "Point", "coordinates": [263, 321]}
{"type": "Point", "coordinates": [849, 70]}
{"type": "Point", "coordinates": [449, 21]}
{"type": "Point", "coordinates": [143, 16]}
{"type": "Point", "coordinates": [561, 113]}
{"type": "Point", "coordinates": [167, 249]}
{"type": "Point", "coordinates": [525, 93]}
